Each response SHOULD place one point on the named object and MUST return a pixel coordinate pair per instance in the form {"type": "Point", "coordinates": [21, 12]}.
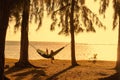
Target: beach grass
{"type": "Point", "coordinates": [60, 70]}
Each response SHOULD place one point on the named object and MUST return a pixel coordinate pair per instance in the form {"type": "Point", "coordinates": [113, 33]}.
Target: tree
{"type": "Point", "coordinates": [73, 58]}
{"type": "Point", "coordinates": [23, 61]}
{"type": "Point", "coordinates": [23, 7]}
{"type": "Point", "coordinates": [3, 27]}
{"type": "Point", "coordinates": [116, 7]}
{"type": "Point", "coordinates": [117, 16]}
{"type": "Point", "coordinates": [5, 8]}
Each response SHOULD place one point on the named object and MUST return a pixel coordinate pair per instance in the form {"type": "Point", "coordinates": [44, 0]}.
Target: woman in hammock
{"type": "Point", "coordinates": [51, 52]}
{"type": "Point", "coordinates": [45, 54]}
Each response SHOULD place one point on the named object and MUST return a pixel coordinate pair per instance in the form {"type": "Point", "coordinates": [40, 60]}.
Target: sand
{"type": "Point", "coordinates": [60, 70]}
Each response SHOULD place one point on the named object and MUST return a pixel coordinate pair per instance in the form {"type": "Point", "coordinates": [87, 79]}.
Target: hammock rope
{"type": "Point", "coordinates": [52, 53]}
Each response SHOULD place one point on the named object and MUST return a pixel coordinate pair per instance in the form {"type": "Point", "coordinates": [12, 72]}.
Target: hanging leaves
{"type": "Point", "coordinates": [82, 15]}
{"type": "Point", "coordinates": [116, 6]}
{"type": "Point", "coordinates": [103, 6]}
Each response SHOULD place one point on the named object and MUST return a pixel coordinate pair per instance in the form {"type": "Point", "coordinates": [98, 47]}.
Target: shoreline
{"type": "Point", "coordinates": [61, 60]}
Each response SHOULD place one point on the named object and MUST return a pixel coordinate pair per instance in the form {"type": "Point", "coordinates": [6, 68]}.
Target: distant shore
{"type": "Point", "coordinates": [60, 70]}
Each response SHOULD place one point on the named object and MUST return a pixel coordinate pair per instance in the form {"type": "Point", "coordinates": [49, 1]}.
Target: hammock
{"type": "Point", "coordinates": [46, 55]}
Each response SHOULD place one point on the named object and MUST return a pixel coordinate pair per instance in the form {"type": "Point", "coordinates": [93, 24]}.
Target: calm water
{"type": "Point", "coordinates": [83, 51]}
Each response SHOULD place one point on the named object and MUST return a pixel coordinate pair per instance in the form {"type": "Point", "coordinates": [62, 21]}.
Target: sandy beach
{"type": "Point", "coordinates": [60, 70]}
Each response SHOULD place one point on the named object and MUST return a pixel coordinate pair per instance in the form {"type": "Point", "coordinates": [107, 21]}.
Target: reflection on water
{"type": "Point", "coordinates": [83, 51]}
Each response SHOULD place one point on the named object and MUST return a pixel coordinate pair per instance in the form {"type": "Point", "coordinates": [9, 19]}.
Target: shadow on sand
{"type": "Point", "coordinates": [115, 76]}
{"type": "Point", "coordinates": [21, 73]}
{"type": "Point", "coordinates": [35, 74]}
{"type": "Point", "coordinates": [53, 77]}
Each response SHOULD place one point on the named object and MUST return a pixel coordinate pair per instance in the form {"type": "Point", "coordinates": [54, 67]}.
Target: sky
{"type": "Point", "coordinates": [101, 36]}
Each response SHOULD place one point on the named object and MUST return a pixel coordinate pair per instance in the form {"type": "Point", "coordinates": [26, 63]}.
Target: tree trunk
{"type": "Point", "coordinates": [24, 61]}
{"type": "Point", "coordinates": [73, 58]}
{"type": "Point", "coordinates": [4, 18]}
{"type": "Point", "coordinates": [118, 49]}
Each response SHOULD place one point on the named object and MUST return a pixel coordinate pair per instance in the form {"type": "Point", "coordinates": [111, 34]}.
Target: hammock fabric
{"type": "Point", "coordinates": [52, 53]}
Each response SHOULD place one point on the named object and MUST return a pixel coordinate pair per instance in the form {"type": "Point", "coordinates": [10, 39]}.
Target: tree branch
{"type": "Point", "coordinates": [61, 8]}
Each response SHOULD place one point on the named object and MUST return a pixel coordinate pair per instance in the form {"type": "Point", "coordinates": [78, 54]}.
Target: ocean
{"type": "Point", "coordinates": [83, 51]}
